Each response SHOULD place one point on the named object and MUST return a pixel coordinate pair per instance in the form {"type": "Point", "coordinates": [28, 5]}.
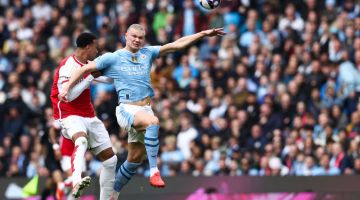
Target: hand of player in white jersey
{"type": "Point", "coordinates": [96, 74]}
{"type": "Point", "coordinates": [62, 99]}
{"type": "Point", "coordinates": [64, 93]}
{"type": "Point", "coordinates": [214, 32]}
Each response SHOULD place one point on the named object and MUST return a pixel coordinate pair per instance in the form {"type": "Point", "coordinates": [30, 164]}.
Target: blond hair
{"type": "Point", "coordinates": [137, 27]}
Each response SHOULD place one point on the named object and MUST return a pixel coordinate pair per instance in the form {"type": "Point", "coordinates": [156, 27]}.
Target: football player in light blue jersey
{"type": "Point", "coordinates": [130, 69]}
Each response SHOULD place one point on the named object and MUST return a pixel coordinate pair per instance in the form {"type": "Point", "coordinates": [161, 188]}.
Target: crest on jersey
{"type": "Point", "coordinates": [134, 59]}
{"type": "Point", "coordinates": [142, 56]}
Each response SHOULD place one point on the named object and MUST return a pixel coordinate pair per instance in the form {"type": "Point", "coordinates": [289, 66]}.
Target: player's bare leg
{"type": "Point", "coordinates": [114, 196]}
{"type": "Point", "coordinates": [57, 177]}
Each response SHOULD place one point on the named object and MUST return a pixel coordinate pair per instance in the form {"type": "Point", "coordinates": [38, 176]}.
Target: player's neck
{"type": "Point", "coordinates": [79, 55]}
{"type": "Point", "coordinates": [131, 50]}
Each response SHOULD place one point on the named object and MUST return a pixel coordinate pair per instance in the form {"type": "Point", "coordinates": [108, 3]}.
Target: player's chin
{"type": "Point", "coordinates": [136, 46]}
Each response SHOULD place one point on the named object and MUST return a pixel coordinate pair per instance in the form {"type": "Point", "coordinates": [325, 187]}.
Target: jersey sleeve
{"type": "Point", "coordinates": [65, 73]}
{"type": "Point", "coordinates": [105, 60]}
{"type": "Point", "coordinates": [155, 51]}
{"type": "Point", "coordinates": [79, 88]}
{"type": "Point", "coordinates": [104, 79]}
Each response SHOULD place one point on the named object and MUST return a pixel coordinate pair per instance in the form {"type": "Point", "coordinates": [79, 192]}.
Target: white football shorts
{"type": "Point", "coordinates": [97, 135]}
{"type": "Point", "coordinates": [125, 117]}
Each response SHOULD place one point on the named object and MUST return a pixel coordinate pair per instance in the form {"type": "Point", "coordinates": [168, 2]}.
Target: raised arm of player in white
{"type": "Point", "coordinates": [64, 80]}
{"type": "Point", "coordinates": [80, 87]}
{"type": "Point", "coordinates": [104, 79]}
{"type": "Point", "coordinates": [76, 76]}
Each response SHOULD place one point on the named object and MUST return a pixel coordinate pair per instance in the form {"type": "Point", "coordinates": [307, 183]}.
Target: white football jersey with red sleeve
{"type": "Point", "coordinates": [81, 106]}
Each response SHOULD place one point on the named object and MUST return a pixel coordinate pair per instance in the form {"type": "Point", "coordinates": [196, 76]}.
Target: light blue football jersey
{"type": "Point", "coordinates": [130, 71]}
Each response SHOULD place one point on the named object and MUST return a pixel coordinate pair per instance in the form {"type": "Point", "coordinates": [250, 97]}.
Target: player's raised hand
{"type": "Point", "coordinates": [215, 32]}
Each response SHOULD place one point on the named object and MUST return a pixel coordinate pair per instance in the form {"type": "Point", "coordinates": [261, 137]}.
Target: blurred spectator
{"type": "Point", "coordinates": [41, 9]}
{"type": "Point", "coordinates": [185, 73]}
{"type": "Point", "coordinates": [291, 19]}
{"type": "Point", "coordinates": [170, 154]}
{"type": "Point", "coordinates": [325, 168]}
{"type": "Point", "coordinates": [257, 140]}
{"type": "Point", "coordinates": [190, 20]}
{"type": "Point", "coordinates": [186, 135]}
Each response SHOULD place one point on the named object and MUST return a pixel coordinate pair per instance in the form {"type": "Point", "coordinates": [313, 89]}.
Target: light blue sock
{"type": "Point", "coordinates": [152, 144]}
{"type": "Point", "coordinates": [124, 174]}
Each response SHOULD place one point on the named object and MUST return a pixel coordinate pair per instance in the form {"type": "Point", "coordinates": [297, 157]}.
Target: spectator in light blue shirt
{"type": "Point", "coordinates": [325, 169]}
{"type": "Point", "coordinates": [307, 168]}
{"type": "Point", "coordinates": [180, 70]}
{"type": "Point", "coordinates": [5, 65]}
{"type": "Point", "coordinates": [247, 38]}
{"type": "Point", "coordinates": [189, 27]}
{"type": "Point", "coordinates": [170, 155]}
{"type": "Point", "coordinates": [298, 165]}
{"type": "Point", "coordinates": [212, 164]}
{"type": "Point", "coordinates": [349, 76]}
{"type": "Point", "coordinates": [206, 48]}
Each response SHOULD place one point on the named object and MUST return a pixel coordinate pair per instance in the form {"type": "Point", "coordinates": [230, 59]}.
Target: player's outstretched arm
{"type": "Point", "coordinates": [104, 79]}
{"type": "Point", "coordinates": [101, 79]}
{"type": "Point", "coordinates": [75, 91]}
{"type": "Point", "coordinates": [76, 76]}
{"type": "Point", "coordinates": [184, 42]}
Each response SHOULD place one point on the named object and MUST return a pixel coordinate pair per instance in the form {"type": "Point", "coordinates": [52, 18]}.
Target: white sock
{"type": "Point", "coordinates": [114, 195]}
{"type": "Point", "coordinates": [68, 181]}
{"type": "Point", "coordinates": [61, 185]}
{"type": "Point", "coordinates": [70, 197]}
{"type": "Point", "coordinates": [153, 170]}
{"type": "Point", "coordinates": [77, 159]}
{"type": "Point", "coordinates": [107, 178]}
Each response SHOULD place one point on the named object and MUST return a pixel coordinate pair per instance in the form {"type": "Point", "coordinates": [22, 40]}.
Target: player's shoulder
{"type": "Point", "coordinates": [108, 57]}
{"type": "Point", "coordinates": [64, 61]}
{"type": "Point", "coordinates": [69, 63]}
{"type": "Point", "coordinates": [119, 52]}
{"type": "Point", "coordinates": [149, 49]}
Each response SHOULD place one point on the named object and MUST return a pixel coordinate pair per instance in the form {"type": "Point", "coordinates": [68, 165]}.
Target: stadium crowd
{"type": "Point", "coordinates": [278, 95]}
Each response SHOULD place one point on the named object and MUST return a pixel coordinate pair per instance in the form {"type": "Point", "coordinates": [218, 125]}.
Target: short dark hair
{"type": "Point", "coordinates": [85, 39]}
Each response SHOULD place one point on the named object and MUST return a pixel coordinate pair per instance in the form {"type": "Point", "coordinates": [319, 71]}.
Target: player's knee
{"type": "Point", "coordinates": [154, 121]}
{"type": "Point", "coordinates": [78, 135]}
{"type": "Point", "coordinates": [81, 141]}
{"type": "Point", "coordinates": [136, 157]}
{"type": "Point", "coordinates": [111, 162]}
